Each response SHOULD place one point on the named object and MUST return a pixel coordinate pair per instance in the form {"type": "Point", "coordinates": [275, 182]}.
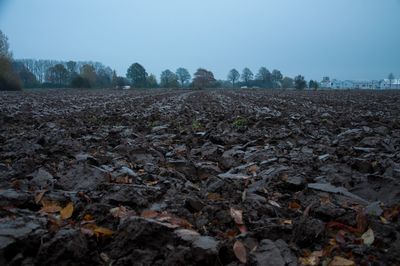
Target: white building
{"type": "Point", "coordinates": [360, 84]}
{"type": "Point", "coordinates": [393, 84]}
{"type": "Point", "coordinates": [367, 84]}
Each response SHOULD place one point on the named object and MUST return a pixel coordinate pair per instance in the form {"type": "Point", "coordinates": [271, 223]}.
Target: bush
{"type": "Point", "coordinates": [9, 83]}
{"type": "Point", "coordinates": [8, 79]}
{"type": "Point", "coordinates": [80, 83]}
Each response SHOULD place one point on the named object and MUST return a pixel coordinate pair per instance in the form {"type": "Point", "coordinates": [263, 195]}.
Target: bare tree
{"type": "Point", "coordinates": [4, 46]}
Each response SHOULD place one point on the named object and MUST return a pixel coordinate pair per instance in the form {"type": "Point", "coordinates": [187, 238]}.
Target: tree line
{"type": "Point", "coordinates": [31, 73]}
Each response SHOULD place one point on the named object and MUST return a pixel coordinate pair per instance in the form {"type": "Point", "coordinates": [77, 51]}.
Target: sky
{"type": "Point", "coordinates": [344, 39]}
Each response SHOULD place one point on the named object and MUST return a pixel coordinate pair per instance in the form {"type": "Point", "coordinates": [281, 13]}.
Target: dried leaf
{"type": "Point", "coordinates": [180, 222]}
{"type": "Point", "coordinates": [240, 251]}
{"type": "Point", "coordinates": [230, 234]}
{"type": "Point", "coordinates": [237, 216]}
{"type": "Point", "coordinates": [119, 212]}
{"type": "Point", "coordinates": [149, 214]}
{"type": "Point", "coordinates": [286, 222]}
{"type": "Point", "coordinates": [340, 261]}
{"type": "Point", "coordinates": [103, 232]}
{"type": "Point", "coordinates": [66, 213]}
{"type": "Point", "coordinates": [311, 260]}
{"type": "Point", "coordinates": [294, 205]}
{"type": "Point", "coordinates": [214, 196]}
{"type": "Point", "coordinates": [368, 237]}
{"type": "Point", "coordinates": [88, 218]}
{"type": "Point", "coordinates": [362, 223]}
{"type": "Point", "coordinates": [39, 196]}
{"type": "Point", "coordinates": [50, 207]}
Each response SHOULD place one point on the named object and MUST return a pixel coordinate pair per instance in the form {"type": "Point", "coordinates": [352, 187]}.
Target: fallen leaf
{"type": "Point", "coordinates": [149, 214]}
{"type": "Point", "coordinates": [240, 251]}
{"type": "Point", "coordinates": [39, 196]}
{"type": "Point", "coordinates": [392, 213]}
{"type": "Point", "coordinates": [286, 222]}
{"type": "Point", "coordinates": [237, 216]}
{"type": "Point", "coordinates": [88, 218]}
{"type": "Point", "coordinates": [311, 260]}
{"type": "Point", "coordinates": [102, 232]}
{"type": "Point", "coordinates": [362, 223]}
{"type": "Point", "coordinates": [180, 222]}
{"type": "Point", "coordinates": [340, 261]}
{"type": "Point", "coordinates": [230, 234]}
{"type": "Point", "coordinates": [50, 207]}
{"type": "Point", "coordinates": [214, 196]}
{"type": "Point", "coordinates": [368, 237]}
{"type": "Point", "coordinates": [119, 212]}
{"type": "Point", "coordinates": [294, 205]}
{"type": "Point", "coordinates": [66, 213]}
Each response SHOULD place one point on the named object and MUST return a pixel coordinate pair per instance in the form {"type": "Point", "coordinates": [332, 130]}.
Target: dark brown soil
{"type": "Point", "coordinates": [178, 177]}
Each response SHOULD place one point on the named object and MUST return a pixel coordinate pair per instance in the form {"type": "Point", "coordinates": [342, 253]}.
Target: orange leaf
{"type": "Point", "coordinates": [237, 215]}
{"type": "Point", "coordinates": [88, 217]}
{"type": "Point", "coordinates": [50, 207]}
{"type": "Point", "coordinates": [149, 214]}
{"type": "Point", "coordinates": [66, 213]}
{"type": "Point", "coordinates": [102, 232]}
{"type": "Point", "coordinates": [294, 205]}
{"type": "Point", "coordinates": [240, 251]}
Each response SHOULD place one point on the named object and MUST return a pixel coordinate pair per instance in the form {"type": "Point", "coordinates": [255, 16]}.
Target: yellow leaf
{"type": "Point", "coordinates": [50, 207]}
{"type": "Point", "coordinates": [340, 261]}
{"type": "Point", "coordinates": [66, 213]}
{"type": "Point", "coordinates": [240, 251]}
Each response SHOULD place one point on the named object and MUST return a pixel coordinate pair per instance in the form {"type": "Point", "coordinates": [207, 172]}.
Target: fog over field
{"type": "Point", "coordinates": [342, 39]}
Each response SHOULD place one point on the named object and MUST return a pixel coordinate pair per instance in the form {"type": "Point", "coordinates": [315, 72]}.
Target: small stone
{"type": "Point", "coordinates": [194, 205]}
{"type": "Point", "coordinates": [374, 209]}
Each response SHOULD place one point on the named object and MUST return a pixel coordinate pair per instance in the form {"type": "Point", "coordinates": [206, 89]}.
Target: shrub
{"type": "Point", "coordinates": [80, 82]}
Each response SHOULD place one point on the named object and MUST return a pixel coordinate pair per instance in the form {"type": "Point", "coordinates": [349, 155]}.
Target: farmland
{"type": "Point", "coordinates": [199, 177]}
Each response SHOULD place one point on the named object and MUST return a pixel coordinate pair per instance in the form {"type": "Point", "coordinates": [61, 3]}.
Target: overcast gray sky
{"type": "Point", "coordinates": [345, 39]}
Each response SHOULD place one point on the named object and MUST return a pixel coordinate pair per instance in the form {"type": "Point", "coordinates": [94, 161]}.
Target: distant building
{"type": "Point", "coordinates": [360, 84]}
{"type": "Point", "coordinates": [337, 84]}
{"type": "Point", "coordinates": [393, 84]}
{"type": "Point", "coordinates": [367, 84]}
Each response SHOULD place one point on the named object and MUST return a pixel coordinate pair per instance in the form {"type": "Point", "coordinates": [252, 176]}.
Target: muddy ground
{"type": "Point", "coordinates": [222, 177]}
